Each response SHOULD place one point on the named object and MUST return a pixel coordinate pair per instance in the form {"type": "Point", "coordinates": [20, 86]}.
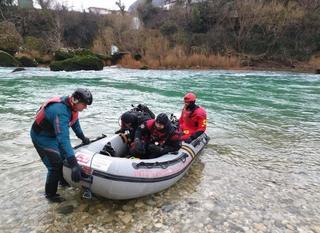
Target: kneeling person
{"type": "Point", "coordinates": [155, 138]}
{"type": "Point", "coordinates": [130, 120]}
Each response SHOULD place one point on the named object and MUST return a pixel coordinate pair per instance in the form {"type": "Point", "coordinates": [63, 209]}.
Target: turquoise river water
{"type": "Point", "coordinates": [259, 173]}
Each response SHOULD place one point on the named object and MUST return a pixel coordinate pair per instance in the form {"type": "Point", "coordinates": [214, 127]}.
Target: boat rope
{"type": "Point", "coordinates": [182, 158]}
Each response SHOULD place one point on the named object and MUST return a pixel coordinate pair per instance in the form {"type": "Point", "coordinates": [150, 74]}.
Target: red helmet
{"type": "Point", "coordinates": [189, 97]}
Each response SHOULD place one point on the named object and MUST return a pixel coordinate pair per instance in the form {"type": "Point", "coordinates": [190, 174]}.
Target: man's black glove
{"type": "Point", "coordinates": [75, 169]}
{"type": "Point", "coordinates": [85, 140]}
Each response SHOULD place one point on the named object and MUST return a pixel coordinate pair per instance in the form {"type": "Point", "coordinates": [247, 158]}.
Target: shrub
{"type": "Point", "coordinates": [129, 62]}
{"type": "Point", "coordinates": [78, 63]}
{"type": "Point", "coordinates": [33, 43]}
{"type": "Point", "coordinates": [10, 39]}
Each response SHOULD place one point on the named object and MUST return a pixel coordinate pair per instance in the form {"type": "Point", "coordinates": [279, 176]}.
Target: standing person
{"type": "Point", "coordinates": [154, 138]}
{"type": "Point", "coordinates": [50, 137]}
{"type": "Point", "coordinates": [193, 119]}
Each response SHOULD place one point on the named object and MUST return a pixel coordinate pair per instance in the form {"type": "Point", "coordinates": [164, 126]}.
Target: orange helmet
{"type": "Point", "coordinates": [189, 97]}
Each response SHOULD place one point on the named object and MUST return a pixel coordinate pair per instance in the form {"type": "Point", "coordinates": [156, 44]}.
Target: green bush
{"type": "Point", "coordinates": [78, 63]}
{"type": "Point", "coordinates": [63, 54]}
{"type": "Point", "coordinates": [168, 28]}
{"type": "Point", "coordinates": [33, 43]}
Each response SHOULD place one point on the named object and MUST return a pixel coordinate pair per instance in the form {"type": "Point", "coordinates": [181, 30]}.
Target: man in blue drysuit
{"type": "Point", "coordinates": [50, 137]}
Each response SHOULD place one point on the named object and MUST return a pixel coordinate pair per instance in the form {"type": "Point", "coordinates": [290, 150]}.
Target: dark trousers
{"type": "Point", "coordinates": [52, 160]}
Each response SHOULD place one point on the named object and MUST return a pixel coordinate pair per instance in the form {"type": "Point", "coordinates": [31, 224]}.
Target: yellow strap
{"type": "Point", "coordinates": [189, 150]}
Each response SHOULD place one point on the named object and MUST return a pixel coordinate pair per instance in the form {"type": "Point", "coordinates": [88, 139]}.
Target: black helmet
{"type": "Point", "coordinates": [128, 117]}
{"type": "Point", "coordinates": [83, 95]}
{"type": "Point", "coordinates": [163, 119]}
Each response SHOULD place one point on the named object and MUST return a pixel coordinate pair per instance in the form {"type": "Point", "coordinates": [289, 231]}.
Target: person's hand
{"type": "Point", "coordinates": [76, 173]}
{"type": "Point", "coordinates": [75, 169]}
{"type": "Point", "coordinates": [86, 141]}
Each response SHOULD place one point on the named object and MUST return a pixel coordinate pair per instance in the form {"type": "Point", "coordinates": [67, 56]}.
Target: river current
{"type": "Point", "coordinates": [260, 171]}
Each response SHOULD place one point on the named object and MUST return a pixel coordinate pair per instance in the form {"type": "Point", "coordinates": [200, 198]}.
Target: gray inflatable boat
{"type": "Point", "coordinates": [111, 174]}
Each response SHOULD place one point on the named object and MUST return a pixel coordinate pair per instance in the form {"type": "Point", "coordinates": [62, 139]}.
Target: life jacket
{"type": "Point", "coordinates": [157, 136]}
{"type": "Point", "coordinates": [41, 123]}
{"type": "Point", "coordinates": [193, 120]}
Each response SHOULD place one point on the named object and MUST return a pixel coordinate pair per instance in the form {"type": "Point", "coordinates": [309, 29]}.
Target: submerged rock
{"type": "Point", "coordinates": [18, 69]}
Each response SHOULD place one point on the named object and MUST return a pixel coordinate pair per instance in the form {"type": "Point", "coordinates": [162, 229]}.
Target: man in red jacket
{"type": "Point", "coordinates": [155, 137]}
{"type": "Point", "coordinates": [193, 119]}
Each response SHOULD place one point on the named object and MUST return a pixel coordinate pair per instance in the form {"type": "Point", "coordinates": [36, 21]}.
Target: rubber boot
{"type": "Point", "coordinates": [63, 183]}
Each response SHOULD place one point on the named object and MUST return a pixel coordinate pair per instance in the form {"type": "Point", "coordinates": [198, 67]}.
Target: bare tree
{"type": "Point", "coordinates": [46, 4]}
{"type": "Point", "coordinates": [3, 5]}
{"type": "Point", "coordinates": [121, 6]}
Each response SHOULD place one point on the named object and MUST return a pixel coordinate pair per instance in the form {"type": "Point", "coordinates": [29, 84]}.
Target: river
{"type": "Point", "coordinates": [259, 173]}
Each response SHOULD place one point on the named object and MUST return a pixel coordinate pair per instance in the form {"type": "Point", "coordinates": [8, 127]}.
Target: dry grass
{"type": "Point", "coordinates": [314, 62]}
{"type": "Point", "coordinates": [102, 44]}
{"type": "Point", "coordinates": [128, 62]}
{"type": "Point", "coordinates": [178, 59]}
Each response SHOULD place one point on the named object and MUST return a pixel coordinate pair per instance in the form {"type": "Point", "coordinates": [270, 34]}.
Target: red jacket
{"type": "Point", "coordinates": [192, 121]}
{"type": "Point", "coordinates": [156, 136]}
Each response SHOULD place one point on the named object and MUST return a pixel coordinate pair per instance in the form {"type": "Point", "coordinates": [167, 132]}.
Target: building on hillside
{"type": "Point", "coordinates": [136, 23]}
{"type": "Point", "coordinates": [25, 3]}
{"type": "Point", "coordinates": [168, 4]}
{"type": "Point", "coordinates": [102, 11]}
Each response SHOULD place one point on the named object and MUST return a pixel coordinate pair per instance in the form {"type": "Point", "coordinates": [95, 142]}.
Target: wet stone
{"type": "Point", "coordinates": [107, 219]}
{"type": "Point", "coordinates": [139, 204]}
{"type": "Point", "coordinates": [158, 225]}
{"type": "Point", "coordinates": [260, 227]}
{"type": "Point", "coordinates": [126, 218]}
{"type": "Point", "coordinates": [236, 228]}
{"type": "Point", "coordinates": [209, 206]}
{"type": "Point", "coordinates": [167, 207]}
{"type": "Point", "coordinates": [151, 202]}
{"type": "Point", "coordinates": [65, 209]}
{"type": "Point", "coordinates": [83, 208]}
{"type": "Point", "coordinates": [127, 208]}
{"type": "Point", "coordinates": [290, 227]}
{"type": "Point", "coordinates": [316, 229]}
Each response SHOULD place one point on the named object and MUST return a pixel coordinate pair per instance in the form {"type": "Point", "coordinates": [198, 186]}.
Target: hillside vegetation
{"type": "Point", "coordinates": [209, 34]}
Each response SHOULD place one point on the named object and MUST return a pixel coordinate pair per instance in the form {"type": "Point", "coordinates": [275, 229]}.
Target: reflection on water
{"type": "Point", "coordinates": [259, 173]}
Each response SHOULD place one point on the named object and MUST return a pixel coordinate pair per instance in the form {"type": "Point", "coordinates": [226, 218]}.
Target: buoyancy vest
{"type": "Point", "coordinates": [42, 123]}
{"type": "Point", "coordinates": [193, 120]}
{"type": "Point", "coordinates": [140, 117]}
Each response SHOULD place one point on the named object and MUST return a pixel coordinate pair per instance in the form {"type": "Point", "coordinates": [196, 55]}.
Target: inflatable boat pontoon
{"type": "Point", "coordinates": [112, 175]}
